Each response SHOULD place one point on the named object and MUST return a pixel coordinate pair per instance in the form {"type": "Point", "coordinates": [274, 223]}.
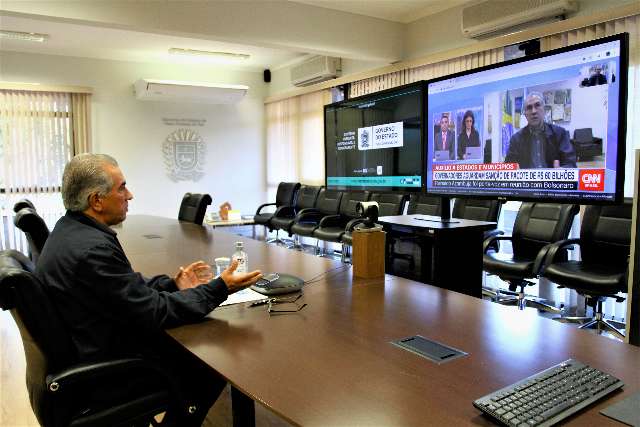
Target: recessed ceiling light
{"type": "Point", "coordinates": [194, 52]}
{"type": "Point", "coordinates": [20, 35]}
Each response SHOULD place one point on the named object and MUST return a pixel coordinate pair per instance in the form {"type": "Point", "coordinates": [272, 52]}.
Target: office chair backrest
{"type": "Point", "coordinates": [605, 234]}
{"type": "Point", "coordinates": [193, 207]}
{"type": "Point", "coordinates": [286, 193]}
{"type": "Point", "coordinates": [583, 135]}
{"type": "Point", "coordinates": [23, 203]}
{"type": "Point", "coordinates": [34, 228]}
{"type": "Point", "coordinates": [349, 202]}
{"type": "Point", "coordinates": [47, 346]}
{"type": "Point", "coordinates": [424, 205]}
{"type": "Point", "coordinates": [477, 209]}
{"type": "Point", "coordinates": [328, 201]}
{"type": "Point", "coordinates": [389, 204]}
{"type": "Point", "coordinates": [307, 197]}
{"type": "Point", "coordinates": [538, 224]}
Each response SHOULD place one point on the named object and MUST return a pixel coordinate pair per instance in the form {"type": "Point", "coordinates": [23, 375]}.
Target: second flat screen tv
{"type": "Point", "coordinates": [548, 128]}
{"type": "Point", "coordinates": [375, 142]}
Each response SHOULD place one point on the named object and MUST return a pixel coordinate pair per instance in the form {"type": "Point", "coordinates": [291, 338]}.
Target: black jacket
{"type": "Point", "coordinates": [464, 141]}
{"type": "Point", "coordinates": [110, 309]}
{"type": "Point", "coordinates": [557, 146]}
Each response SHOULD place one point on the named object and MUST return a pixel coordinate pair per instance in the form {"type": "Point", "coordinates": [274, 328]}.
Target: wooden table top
{"type": "Point", "coordinates": [332, 363]}
{"type": "Point", "coordinates": [434, 222]}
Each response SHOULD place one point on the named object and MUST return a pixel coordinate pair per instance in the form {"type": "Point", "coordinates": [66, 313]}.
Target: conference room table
{"type": "Point", "coordinates": [333, 363]}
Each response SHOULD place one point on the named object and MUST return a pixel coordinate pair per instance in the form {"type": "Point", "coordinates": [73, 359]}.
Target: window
{"type": "Point", "coordinates": [39, 133]}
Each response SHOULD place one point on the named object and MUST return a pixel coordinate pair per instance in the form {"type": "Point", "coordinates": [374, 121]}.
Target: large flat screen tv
{"type": "Point", "coordinates": [548, 127]}
{"type": "Point", "coordinates": [374, 142]}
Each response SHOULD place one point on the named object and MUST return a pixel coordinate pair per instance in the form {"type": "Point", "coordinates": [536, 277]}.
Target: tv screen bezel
{"type": "Point", "coordinates": [419, 85]}
{"type": "Point", "coordinates": [623, 38]}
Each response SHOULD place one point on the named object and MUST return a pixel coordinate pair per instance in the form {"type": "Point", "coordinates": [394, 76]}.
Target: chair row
{"type": "Point", "coordinates": [540, 249]}
{"type": "Point", "coordinates": [329, 215]}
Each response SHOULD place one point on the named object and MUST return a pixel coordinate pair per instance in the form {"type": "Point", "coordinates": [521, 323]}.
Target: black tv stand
{"type": "Point", "coordinates": [445, 211]}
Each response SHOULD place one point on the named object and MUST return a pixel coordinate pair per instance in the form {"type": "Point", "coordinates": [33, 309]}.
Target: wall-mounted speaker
{"type": "Point", "coordinates": [267, 75]}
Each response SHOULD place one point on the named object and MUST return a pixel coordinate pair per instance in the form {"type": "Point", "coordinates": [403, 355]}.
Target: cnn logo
{"type": "Point", "coordinates": [592, 179]}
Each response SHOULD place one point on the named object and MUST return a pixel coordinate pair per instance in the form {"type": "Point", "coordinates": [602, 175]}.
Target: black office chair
{"type": "Point", "coordinates": [194, 207]}
{"type": "Point", "coordinates": [332, 227]}
{"type": "Point", "coordinates": [284, 217]}
{"type": "Point", "coordinates": [60, 388]}
{"type": "Point", "coordinates": [424, 205]}
{"type": "Point", "coordinates": [34, 228]}
{"type": "Point", "coordinates": [285, 196]}
{"type": "Point", "coordinates": [479, 210]}
{"type": "Point", "coordinates": [307, 220]}
{"type": "Point", "coordinates": [23, 203]}
{"type": "Point", "coordinates": [605, 241]}
{"type": "Point", "coordinates": [586, 145]}
{"type": "Point", "coordinates": [536, 226]}
{"type": "Point", "coordinates": [389, 204]}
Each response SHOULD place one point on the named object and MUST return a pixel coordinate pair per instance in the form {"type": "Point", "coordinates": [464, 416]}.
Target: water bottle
{"type": "Point", "coordinates": [241, 256]}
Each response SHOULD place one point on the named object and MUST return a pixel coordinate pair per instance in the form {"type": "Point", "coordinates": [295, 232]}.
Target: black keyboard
{"type": "Point", "coordinates": [550, 396]}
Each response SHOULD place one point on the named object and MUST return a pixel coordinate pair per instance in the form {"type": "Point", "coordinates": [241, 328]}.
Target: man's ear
{"type": "Point", "coordinates": [95, 202]}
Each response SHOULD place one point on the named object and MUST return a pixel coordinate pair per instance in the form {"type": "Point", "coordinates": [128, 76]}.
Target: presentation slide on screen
{"type": "Point", "coordinates": [541, 128]}
{"type": "Point", "coordinates": [375, 143]}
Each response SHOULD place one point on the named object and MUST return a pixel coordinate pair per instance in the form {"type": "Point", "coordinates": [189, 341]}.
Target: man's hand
{"type": "Point", "coordinates": [237, 281]}
{"type": "Point", "coordinates": [193, 275]}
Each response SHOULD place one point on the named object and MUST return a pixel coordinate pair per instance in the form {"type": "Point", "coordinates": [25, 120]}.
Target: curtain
{"type": "Point", "coordinates": [39, 133]}
{"type": "Point", "coordinates": [80, 119]}
{"type": "Point", "coordinates": [295, 140]}
{"type": "Point", "coordinates": [425, 72]}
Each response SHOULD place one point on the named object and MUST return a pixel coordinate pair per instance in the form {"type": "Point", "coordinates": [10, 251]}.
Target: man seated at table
{"type": "Point", "coordinates": [112, 311]}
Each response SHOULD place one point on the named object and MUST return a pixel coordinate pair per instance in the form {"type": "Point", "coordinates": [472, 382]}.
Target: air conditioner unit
{"type": "Point", "coordinates": [315, 70]}
{"type": "Point", "coordinates": [207, 93]}
{"type": "Point", "coordinates": [491, 16]}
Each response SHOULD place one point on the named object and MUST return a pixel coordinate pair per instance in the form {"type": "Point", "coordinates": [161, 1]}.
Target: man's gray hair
{"type": "Point", "coordinates": [84, 175]}
{"type": "Point", "coordinates": [537, 95]}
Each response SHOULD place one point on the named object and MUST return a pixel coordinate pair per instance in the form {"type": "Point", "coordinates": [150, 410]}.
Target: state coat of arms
{"type": "Point", "coordinates": [184, 153]}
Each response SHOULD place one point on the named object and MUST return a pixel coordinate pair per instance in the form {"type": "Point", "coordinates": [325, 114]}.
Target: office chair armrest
{"type": "Point", "coordinates": [493, 233]}
{"type": "Point", "coordinates": [88, 373]}
{"type": "Point", "coordinates": [331, 221]}
{"type": "Point", "coordinates": [489, 241]}
{"type": "Point", "coordinates": [309, 214]}
{"type": "Point", "coordinates": [351, 225]}
{"type": "Point", "coordinates": [548, 254]}
{"type": "Point", "coordinates": [263, 206]}
{"type": "Point", "coordinates": [284, 211]}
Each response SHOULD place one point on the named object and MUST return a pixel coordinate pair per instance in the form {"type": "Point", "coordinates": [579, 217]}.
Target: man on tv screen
{"type": "Point", "coordinates": [445, 139]}
{"type": "Point", "coordinates": [540, 144]}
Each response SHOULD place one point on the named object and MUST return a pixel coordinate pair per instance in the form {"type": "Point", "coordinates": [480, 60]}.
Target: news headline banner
{"type": "Point", "coordinates": [507, 175]}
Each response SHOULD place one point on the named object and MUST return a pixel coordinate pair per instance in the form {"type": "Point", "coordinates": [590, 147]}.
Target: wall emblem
{"type": "Point", "coordinates": [184, 153]}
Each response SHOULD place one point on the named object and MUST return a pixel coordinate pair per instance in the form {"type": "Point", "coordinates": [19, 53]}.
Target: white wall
{"type": "Point", "coordinates": [133, 131]}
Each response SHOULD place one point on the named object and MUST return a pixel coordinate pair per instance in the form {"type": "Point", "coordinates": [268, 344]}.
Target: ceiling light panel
{"type": "Point", "coordinates": [206, 53]}
{"type": "Point", "coordinates": [23, 36]}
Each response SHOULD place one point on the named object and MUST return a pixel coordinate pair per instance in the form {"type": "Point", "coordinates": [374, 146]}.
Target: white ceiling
{"type": "Point", "coordinates": [403, 11]}
{"type": "Point", "coordinates": [108, 43]}
{"type": "Point", "coordinates": [81, 38]}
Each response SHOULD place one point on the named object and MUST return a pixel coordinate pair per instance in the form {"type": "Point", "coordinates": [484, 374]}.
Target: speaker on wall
{"type": "Point", "coordinates": [267, 75]}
